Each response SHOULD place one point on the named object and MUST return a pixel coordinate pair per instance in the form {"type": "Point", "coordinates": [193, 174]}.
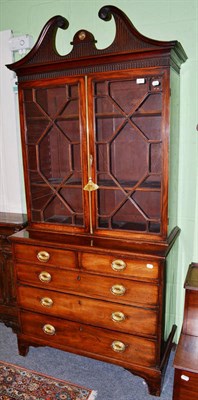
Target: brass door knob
{"type": "Point", "coordinates": [118, 316]}
{"type": "Point", "coordinates": [46, 302]}
{"type": "Point", "coordinates": [49, 329]}
{"type": "Point", "coordinates": [43, 256]}
{"type": "Point", "coordinates": [45, 277]}
{"type": "Point", "coordinates": [118, 265]}
{"type": "Point", "coordinates": [118, 346]}
{"type": "Point", "coordinates": [118, 290]}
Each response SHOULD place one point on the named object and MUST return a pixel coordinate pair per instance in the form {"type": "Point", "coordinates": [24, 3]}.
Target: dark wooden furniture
{"type": "Point", "coordinates": [9, 223]}
{"type": "Point", "coordinates": [186, 357]}
{"type": "Point", "coordinates": [90, 267]}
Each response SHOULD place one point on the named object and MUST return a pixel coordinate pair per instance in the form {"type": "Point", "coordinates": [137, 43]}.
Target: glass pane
{"type": "Point", "coordinates": [148, 203]}
{"type": "Point", "coordinates": [128, 140]}
{"type": "Point", "coordinates": [109, 200]}
{"type": "Point", "coordinates": [51, 100]}
{"type": "Point", "coordinates": [129, 217]}
{"type": "Point", "coordinates": [54, 155]}
{"type": "Point", "coordinates": [57, 212]}
{"type": "Point", "coordinates": [53, 137]}
{"type": "Point", "coordinates": [40, 195]}
{"type": "Point", "coordinates": [125, 94]}
{"type": "Point", "coordinates": [155, 158]}
{"type": "Point", "coordinates": [36, 123]}
{"type": "Point", "coordinates": [106, 127]}
{"type": "Point", "coordinates": [147, 118]}
{"type": "Point", "coordinates": [125, 162]}
{"type": "Point", "coordinates": [71, 198]}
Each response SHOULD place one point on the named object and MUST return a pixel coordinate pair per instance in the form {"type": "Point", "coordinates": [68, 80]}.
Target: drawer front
{"type": "Point", "coordinates": [88, 340]}
{"type": "Point", "coordinates": [185, 385]}
{"type": "Point", "coordinates": [113, 289]}
{"type": "Point", "coordinates": [45, 255]}
{"type": "Point", "coordinates": [102, 264]}
{"type": "Point", "coordinates": [94, 312]}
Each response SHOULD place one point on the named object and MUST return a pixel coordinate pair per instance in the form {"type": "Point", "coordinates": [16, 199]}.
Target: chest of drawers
{"type": "Point", "coordinates": [85, 299]}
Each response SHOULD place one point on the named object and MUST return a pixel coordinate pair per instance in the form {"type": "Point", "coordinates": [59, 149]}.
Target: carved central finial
{"type": "Point", "coordinates": [82, 35]}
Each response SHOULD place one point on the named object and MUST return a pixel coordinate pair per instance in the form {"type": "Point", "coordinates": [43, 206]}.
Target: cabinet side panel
{"type": "Point", "coordinates": [172, 259]}
{"type": "Point", "coordinates": [174, 150]}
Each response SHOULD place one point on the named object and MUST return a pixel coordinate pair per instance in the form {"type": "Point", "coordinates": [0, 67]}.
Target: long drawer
{"type": "Point", "coordinates": [88, 340]}
{"type": "Point", "coordinates": [45, 255]}
{"type": "Point", "coordinates": [105, 314]}
{"type": "Point", "coordinates": [109, 288]}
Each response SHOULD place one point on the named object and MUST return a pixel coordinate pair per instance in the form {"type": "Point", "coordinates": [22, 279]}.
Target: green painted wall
{"type": "Point", "coordinates": [158, 19]}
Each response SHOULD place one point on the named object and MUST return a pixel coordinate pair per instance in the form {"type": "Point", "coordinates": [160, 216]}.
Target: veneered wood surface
{"type": "Point", "coordinates": [185, 385]}
{"type": "Point", "coordinates": [136, 292]}
{"type": "Point", "coordinates": [9, 224]}
{"type": "Point", "coordinates": [135, 268]}
{"type": "Point", "coordinates": [89, 339]}
{"type": "Point", "coordinates": [190, 323]}
{"type": "Point", "coordinates": [186, 357]}
{"type": "Point", "coordinates": [57, 257]}
{"type": "Point", "coordinates": [137, 320]}
{"type": "Point", "coordinates": [187, 353]}
{"type": "Point", "coordinates": [191, 281]}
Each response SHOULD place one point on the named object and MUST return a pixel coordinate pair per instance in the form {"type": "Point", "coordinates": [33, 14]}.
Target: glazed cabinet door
{"type": "Point", "coordinates": [96, 153]}
{"type": "Point", "coordinates": [128, 116]}
{"type": "Point", "coordinates": [54, 141]}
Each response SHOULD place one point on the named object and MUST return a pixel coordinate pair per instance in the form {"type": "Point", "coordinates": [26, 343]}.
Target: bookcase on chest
{"type": "Point", "coordinates": [95, 128]}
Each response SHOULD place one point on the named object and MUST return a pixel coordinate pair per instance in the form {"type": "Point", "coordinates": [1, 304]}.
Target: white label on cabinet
{"type": "Point", "coordinates": [185, 378]}
{"type": "Point", "coordinates": [140, 81]}
{"type": "Point", "coordinates": [155, 83]}
{"type": "Point", "coordinates": [150, 266]}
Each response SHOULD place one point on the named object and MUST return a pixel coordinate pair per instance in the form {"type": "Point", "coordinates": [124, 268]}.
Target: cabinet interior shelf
{"type": "Point", "coordinates": [134, 114]}
{"type": "Point", "coordinates": [121, 225]}
{"type": "Point", "coordinates": [155, 186]}
{"type": "Point", "coordinates": [58, 118]}
{"type": "Point", "coordinates": [99, 115]}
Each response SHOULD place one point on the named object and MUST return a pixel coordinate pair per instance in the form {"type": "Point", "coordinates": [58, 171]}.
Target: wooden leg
{"type": "Point", "coordinates": [23, 348]}
{"type": "Point", "coordinates": [154, 387]}
{"type": "Point", "coordinates": [153, 380]}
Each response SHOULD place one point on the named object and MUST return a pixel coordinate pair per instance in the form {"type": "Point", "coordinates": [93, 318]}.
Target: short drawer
{"type": "Point", "coordinates": [45, 255]}
{"type": "Point", "coordinates": [88, 340]}
{"type": "Point", "coordinates": [102, 264]}
{"type": "Point", "coordinates": [89, 285]}
{"type": "Point", "coordinates": [106, 314]}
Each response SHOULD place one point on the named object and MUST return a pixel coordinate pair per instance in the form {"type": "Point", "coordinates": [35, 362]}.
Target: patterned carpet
{"type": "Point", "coordinates": [18, 383]}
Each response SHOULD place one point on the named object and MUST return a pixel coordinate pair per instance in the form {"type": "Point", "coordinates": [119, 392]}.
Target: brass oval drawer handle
{"type": "Point", "coordinates": [43, 256]}
{"type": "Point", "coordinates": [118, 346]}
{"type": "Point", "coordinates": [49, 329]}
{"type": "Point", "coordinates": [118, 316]}
{"type": "Point", "coordinates": [45, 277]}
{"type": "Point", "coordinates": [46, 302]}
{"type": "Point", "coordinates": [118, 290]}
{"type": "Point", "coordinates": [118, 265]}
